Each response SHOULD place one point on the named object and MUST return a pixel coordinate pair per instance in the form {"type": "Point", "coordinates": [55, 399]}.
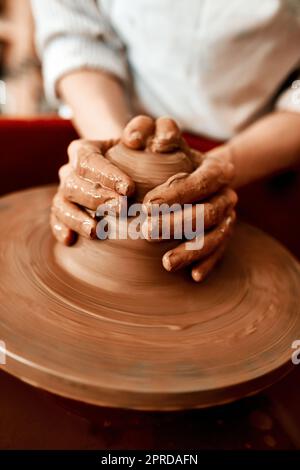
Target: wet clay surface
{"type": "Point", "coordinates": [167, 347]}
{"type": "Point", "coordinates": [149, 169]}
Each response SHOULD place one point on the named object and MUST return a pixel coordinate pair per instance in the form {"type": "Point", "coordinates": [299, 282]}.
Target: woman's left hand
{"type": "Point", "coordinates": [207, 185]}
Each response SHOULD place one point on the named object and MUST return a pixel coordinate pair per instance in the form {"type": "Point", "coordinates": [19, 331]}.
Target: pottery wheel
{"type": "Point", "coordinates": [207, 344]}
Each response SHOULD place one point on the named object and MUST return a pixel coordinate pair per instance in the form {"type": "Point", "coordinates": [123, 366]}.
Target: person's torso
{"type": "Point", "coordinates": [214, 65]}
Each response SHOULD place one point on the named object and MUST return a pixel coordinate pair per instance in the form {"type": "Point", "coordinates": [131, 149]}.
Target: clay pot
{"type": "Point", "coordinates": [113, 263]}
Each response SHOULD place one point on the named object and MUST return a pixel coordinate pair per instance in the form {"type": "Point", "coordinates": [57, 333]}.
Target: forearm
{"type": "Point", "coordinates": [98, 103]}
{"type": "Point", "coordinates": [267, 147]}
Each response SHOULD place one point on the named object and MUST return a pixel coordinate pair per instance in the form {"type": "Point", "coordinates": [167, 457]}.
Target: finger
{"type": "Point", "coordinates": [61, 232]}
{"type": "Point", "coordinates": [86, 193]}
{"type": "Point", "coordinates": [64, 172]}
{"type": "Point", "coordinates": [73, 217]}
{"type": "Point", "coordinates": [86, 157]}
{"type": "Point", "coordinates": [220, 204]}
{"type": "Point", "coordinates": [167, 136]}
{"type": "Point", "coordinates": [137, 132]}
{"type": "Point", "coordinates": [175, 223]}
{"type": "Point", "coordinates": [202, 269]}
{"type": "Point", "coordinates": [184, 188]}
{"type": "Point", "coordinates": [184, 254]}
{"type": "Point", "coordinates": [196, 157]}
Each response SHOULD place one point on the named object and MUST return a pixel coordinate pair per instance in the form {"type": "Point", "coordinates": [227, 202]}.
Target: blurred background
{"type": "Point", "coordinates": [21, 88]}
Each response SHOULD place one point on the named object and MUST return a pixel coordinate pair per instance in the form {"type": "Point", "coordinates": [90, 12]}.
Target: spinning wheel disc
{"type": "Point", "coordinates": [225, 339]}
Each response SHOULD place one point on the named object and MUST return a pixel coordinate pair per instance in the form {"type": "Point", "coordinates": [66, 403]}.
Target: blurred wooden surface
{"type": "Point", "coordinates": [32, 419]}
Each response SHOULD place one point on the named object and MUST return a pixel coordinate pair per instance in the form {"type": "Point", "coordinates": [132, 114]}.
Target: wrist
{"type": "Point", "coordinates": [225, 154]}
{"type": "Point", "coordinates": [97, 101]}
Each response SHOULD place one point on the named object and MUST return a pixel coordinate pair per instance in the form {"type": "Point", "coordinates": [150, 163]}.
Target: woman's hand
{"type": "Point", "coordinates": [86, 182]}
{"type": "Point", "coordinates": [89, 180]}
{"type": "Point", "coordinates": [219, 218]}
{"type": "Point", "coordinates": [208, 185]}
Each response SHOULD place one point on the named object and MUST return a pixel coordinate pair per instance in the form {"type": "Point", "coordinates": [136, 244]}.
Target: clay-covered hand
{"type": "Point", "coordinates": [203, 259]}
{"type": "Point", "coordinates": [86, 182]}
{"type": "Point", "coordinates": [219, 218]}
{"type": "Point", "coordinates": [207, 184]}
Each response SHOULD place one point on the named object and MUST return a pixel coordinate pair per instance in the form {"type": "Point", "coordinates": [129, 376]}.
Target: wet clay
{"type": "Point", "coordinates": [128, 263]}
{"type": "Point", "coordinates": [149, 169]}
{"type": "Point", "coordinates": [139, 344]}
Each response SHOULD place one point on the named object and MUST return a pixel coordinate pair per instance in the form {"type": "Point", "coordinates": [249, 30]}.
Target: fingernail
{"type": "Point", "coordinates": [197, 276]}
{"type": "Point", "coordinates": [166, 262]}
{"type": "Point", "coordinates": [136, 135]}
{"type": "Point", "coordinates": [171, 261]}
{"type": "Point", "coordinates": [122, 188]}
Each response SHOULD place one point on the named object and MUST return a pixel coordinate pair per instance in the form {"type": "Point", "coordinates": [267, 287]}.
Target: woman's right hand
{"type": "Point", "coordinates": [86, 182]}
